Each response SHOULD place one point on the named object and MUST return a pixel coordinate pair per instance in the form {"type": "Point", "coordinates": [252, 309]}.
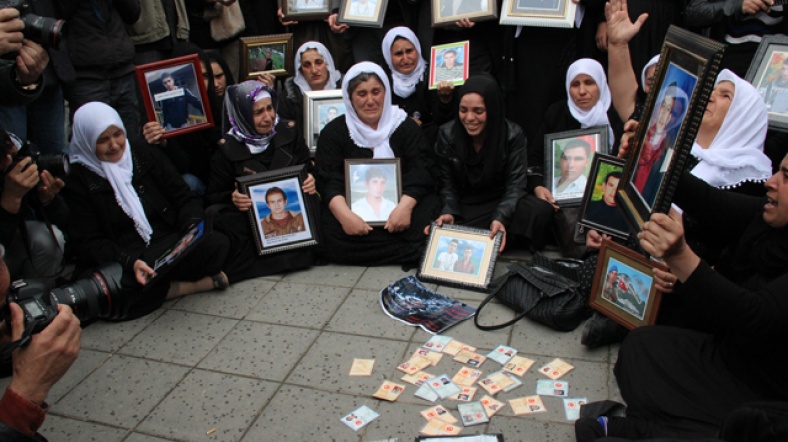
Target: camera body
{"type": "Point", "coordinates": [57, 164]}
{"type": "Point", "coordinates": [46, 31]}
{"type": "Point", "coordinates": [97, 296]}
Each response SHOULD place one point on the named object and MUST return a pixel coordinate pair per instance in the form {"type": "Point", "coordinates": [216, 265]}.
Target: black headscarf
{"type": "Point", "coordinates": [490, 157]}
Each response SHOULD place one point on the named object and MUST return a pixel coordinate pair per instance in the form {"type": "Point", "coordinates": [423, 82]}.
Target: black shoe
{"type": "Point", "coordinates": [600, 330]}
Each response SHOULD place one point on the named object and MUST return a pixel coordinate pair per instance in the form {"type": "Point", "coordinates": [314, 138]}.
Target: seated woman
{"type": "Point", "coordinates": [373, 128]}
{"type": "Point", "coordinates": [130, 205]}
{"type": "Point", "coordinates": [258, 141]}
{"type": "Point", "coordinates": [481, 158]}
{"type": "Point", "coordinates": [410, 82]}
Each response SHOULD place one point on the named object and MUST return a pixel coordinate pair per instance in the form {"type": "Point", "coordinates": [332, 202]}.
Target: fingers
{"type": "Point", "coordinates": [17, 321]}
{"type": "Point", "coordinates": [31, 62]}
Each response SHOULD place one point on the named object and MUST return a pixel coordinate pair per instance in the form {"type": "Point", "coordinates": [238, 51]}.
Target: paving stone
{"type": "Point", "coordinates": [58, 428]}
{"type": "Point", "coordinates": [377, 278]}
{"type": "Point", "coordinates": [299, 304]}
{"type": "Point", "coordinates": [362, 314]}
{"type": "Point", "coordinates": [527, 429]}
{"type": "Point", "coordinates": [467, 332]}
{"type": "Point", "coordinates": [85, 364]}
{"type": "Point", "coordinates": [234, 302]}
{"type": "Point", "coordinates": [329, 275]}
{"type": "Point", "coordinates": [139, 437]}
{"type": "Point", "coordinates": [111, 336]}
{"type": "Point", "coordinates": [534, 338]}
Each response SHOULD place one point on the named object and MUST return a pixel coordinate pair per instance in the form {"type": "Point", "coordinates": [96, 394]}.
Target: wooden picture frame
{"type": "Point", "coordinates": [320, 107]}
{"type": "Point", "coordinates": [305, 10]}
{"type": "Point", "coordinates": [454, 68]}
{"type": "Point", "coordinates": [444, 14]}
{"type": "Point", "coordinates": [566, 175]}
{"type": "Point", "coordinates": [266, 54]}
{"type": "Point", "coordinates": [280, 190]}
{"type": "Point", "coordinates": [599, 210]}
{"type": "Point", "coordinates": [769, 74]}
{"type": "Point", "coordinates": [379, 180]}
{"type": "Point", "coordinates": [438, 265]}
{"type": "Point", "coordinates": [366, 13]}
{"type": "Point", "coordinates": [174, 95]}
{"type": "Point", "coordinates": [660, 148]}
{"type": "Point", "coordinates": [629, 297]}
{"type": "Point", "coordinates": [541, 13]}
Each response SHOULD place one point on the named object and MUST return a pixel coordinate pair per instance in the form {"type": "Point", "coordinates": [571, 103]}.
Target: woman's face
{"type": "Point", "coordinates": [367, 101]}
{"type": "Point", "coordinates": [219, 79]}
{"type": "Point", "coordinates": [719, 103]}
{"type": "Point", "coordinates": [473, 114]}
{"type": "Point", "coordinates": [314, 69]}
{"type": "Point", "coordinates": [404, 56]}
{"type": "Point", "coordinates": [584, 91]}
{"type": "Point", "coordinates": [111, 144]}
{"type": "Point", "coordinates": [264, 116]}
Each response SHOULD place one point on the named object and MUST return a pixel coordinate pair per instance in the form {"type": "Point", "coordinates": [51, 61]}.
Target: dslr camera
{"type": "Point", "coordinates": [57, 164]}
{"type": "Point", "coordinates": [97, 296]}
{"type": "Point", "coordinates": [46, 31]}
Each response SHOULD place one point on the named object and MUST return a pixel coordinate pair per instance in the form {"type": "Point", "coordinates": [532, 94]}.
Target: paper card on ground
{"type": "Point", "coordinates": [362, 367]}
{"type": "Point", "coordinates": [465, 395]}
{"type": "Point", "coordinates": [454, 347]}
{"type": "Point", "coordinates": [437, 343]}
{"type": "Point", "coordinates": [437, 427]}
{"type": "Point", "coordinates": [426, 392]}
{"type": "Point", "coordinates": [491, 405]}
{"type": "Point", "coordinates": [359, 418]}
{"type": "Point", "coordinates": [417, 378]}
{"type": "Point", "coordinates": [472, 413]}
{"type": "Point", "coordinates": [547, 387]}
{"type": "Point", "coordinates": [572, 407]}
{"type": "Point", "coordinates": [434, 357]}
{"type": "Point", "coordinates": [389, 391]}
{"type": "Point", "coordinates": [502, 354]}
{"type": "Point", "coordinates": [515, 382]}
{"type": "Point", "coordinates": [495, 382]}
{"type": "Point", "coordinates": [439, 412]}
{"type": "Point", "coordinates": [518, 365]}
{"type": "Point", "coordinates": [466, 376]}
{"type": "Point", "coordinates": [556, 368]}
{"type": "Point", "coordinates": [414, 365]}
{"type": "Point", "coordinates": [527, 405]}
{"type": "Point", "coordinates": [470, 358]}
{"type": "Point", "coordinates": [443, 386]}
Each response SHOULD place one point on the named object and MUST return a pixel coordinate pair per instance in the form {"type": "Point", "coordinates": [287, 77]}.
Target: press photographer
{"type": "Point", "coordinates": [21, 76]}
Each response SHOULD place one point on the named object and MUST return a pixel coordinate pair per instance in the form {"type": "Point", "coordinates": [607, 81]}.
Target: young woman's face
{"type": "Point", "coordinates": [404, 56]}
{"type": "Point", "coordinates": [264, 116]}
{"type": "Point", "coordinates": [111, 144]}
{"type": "Point", "coordinates": [717, 108]}
{"type": "Point", "coordinates": [219, 79]}
{"type": "Point", "coordinates": [584, 91]}
{"type": "Point", "coordinates": [314, 69]}
{"type": "Point", "coordinates": [367, 101]}
{"type": "Point", "coordinates": [473, 114]}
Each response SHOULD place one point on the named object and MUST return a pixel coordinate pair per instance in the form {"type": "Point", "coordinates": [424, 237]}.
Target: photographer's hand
{"type": "Point", "coordinates": [18, 181]}
{"type": "Point", "coordinates": [143, 272]}
{"type": "Point", "coordinates": [46, 359]}
{"type": "Point", "coordinates": [10, 31]}
{"type": "Point", "coordinates": [49, 188]}
{"type": "Point", "coordinates": [30, 63]}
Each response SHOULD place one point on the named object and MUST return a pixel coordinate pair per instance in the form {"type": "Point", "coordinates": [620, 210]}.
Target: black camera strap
{"type": "Point", "coordinates": [27, 336]}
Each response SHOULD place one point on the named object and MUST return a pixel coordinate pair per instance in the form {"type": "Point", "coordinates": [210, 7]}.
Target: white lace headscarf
{"type": "Point", "coordinates": [597, 115]}
{"type": "Point", "coordinates": [403, 84]}
{"type": "Point", "coordinates": [653, 62]}
{"type": "Point", "coordinates": [333, 74]}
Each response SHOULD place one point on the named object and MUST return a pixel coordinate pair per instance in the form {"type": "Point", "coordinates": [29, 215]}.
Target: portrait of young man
{"type": "Point", "coordinates": [175, 102]}
{"type": "Point", "coordinates": [374, 206]}
{"type": "Point", "coordinates": [280, 221]}
{"type": "Point", "coordinates": [574, 159]}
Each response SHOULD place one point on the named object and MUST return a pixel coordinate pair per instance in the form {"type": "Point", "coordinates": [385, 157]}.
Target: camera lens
{"type": "Point", "coordinates": [97, 296]}
{"type": "Point", "coordinates": [57, 164]}
{"type": "Point", "coordinates": [43, 30]}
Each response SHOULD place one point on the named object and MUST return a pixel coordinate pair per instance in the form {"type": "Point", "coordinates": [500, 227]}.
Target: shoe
{"type": "Point", "coordinates": [600, 330]}
{"type": "Point", "coordinates": [220, 281]}
{"type": "Point", "coordinates": [588, 429]}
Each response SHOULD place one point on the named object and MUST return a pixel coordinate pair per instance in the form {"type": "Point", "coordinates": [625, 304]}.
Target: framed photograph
{"type": "Point", "coordinates": [624, 287]}
{"type": "Point", "coordinates": [449, 62]}
{"type": "Point", "coordinates": [282, 216]}
{"type": "Point", "coordinates": [447, 12]}
{"type": "Point", "coordinates": [599, 210]}
{"type": "Point", "coordinates": [674, 108]}
{"type": "Point", "coordinates": [320, 107]}
{"type": "Point", "coordinates": [769, 74]}
{"type": "Point", "coordinates": [460, 256]}
{"type": "Point", "coordinates": [567, 157]}
{"type": "Point", "coordinates": [373, 188]}
{"type": "Point", "coordinates": [267, 54]}
{"type": "Point", "coordinates": [369, 13]}
{"type": "Point", "coordinates": [174, 95]}
{"type": "Point", "coordinates": [304, 10]}
{"type": "Point", "coordinates": [543, 13]}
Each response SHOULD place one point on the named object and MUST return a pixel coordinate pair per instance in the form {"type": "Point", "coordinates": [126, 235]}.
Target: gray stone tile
{"type": "Point", "coordinates": [121, 392]}
{"type": "Point", "coordinates": [85, 364]}
{"type": "Point", "coordinates": [331, 275]}
{"type": "Point", "coordinates": [58, 428]}
{"type": "Point", "coordinates": [235, 302]}
{"type": "Point", "coordinates": [467, 332]}
{"type": "Point", "coordinates": [534, 338]}
{"type": "Point", "coordinates": [327, 364]}
{"type": "Point", "coordinates": [404, 422]}
{"type": "Point", "coordinates": [139, 437]}
{"type": "Point", "coordinates": [111, 336]}
{"type": "Point", "coordinates": [305, 414]}
{"type": "Point", "coordinates": [377, 278]}
{"type": "Point", "coordinates": [263, 351]}
{"type": "Point", "coordinates": [205, 401]}
{"type": "Point", "coordinates": [362, 314]}
{"type": "Point", "coordinates": [527, 429]}
{"type": "Point", "coordinates": [180, 337]}
{"type": "Point", "coordinates": [299, 304]}
{"type": "Point", "coordinates": [472, 297]}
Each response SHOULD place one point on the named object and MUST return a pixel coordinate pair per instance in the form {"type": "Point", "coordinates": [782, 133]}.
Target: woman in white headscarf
{"type": "Point", "coordinates": [410, 77]}
{"type": "Point", "coordinates": [130, 205]}
{"type": "Point", "coordinates": [373, 128]}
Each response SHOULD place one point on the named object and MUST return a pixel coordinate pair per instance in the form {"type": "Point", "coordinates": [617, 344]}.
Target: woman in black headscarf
{"type": "Point", "coordinates": [482, 166]}
{"type": "Point", "coordinates": [258, 141]}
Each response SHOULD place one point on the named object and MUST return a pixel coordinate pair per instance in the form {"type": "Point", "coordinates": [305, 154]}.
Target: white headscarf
{"type": "Point", "coordinates": [653, 62]}
{"type": "Point", "coordinates": [597, 115]}
{"type": "Point", "coordinates": [736, 152]}
{"type": "Point", "coordinates": [392, 117]}
{"type": "Point", "coordinates": [333, 74]}
{"type": "Point", "coordinates": [404, 84]}
{"type": "Point", "coordinates": [90, 121]}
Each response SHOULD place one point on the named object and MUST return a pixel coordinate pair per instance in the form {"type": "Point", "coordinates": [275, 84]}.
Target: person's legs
{"type": "Point", "coordinates": [46, 121]}
{"type": "Point", "coordinates": [38, 253]}
{"type": "Point", "coordinates": [123, 96]}
{"type": "Point", "coordinates": [13, 119]}
{"type": "Point", "coordinates": [85, 90]}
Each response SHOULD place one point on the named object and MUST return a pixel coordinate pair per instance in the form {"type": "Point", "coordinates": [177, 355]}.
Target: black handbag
{"type": "Point", "coordinates": [546, 291]}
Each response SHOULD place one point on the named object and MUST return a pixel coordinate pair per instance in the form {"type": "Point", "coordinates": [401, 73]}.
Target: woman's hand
{"type": "Point", "coordinates": [266, 79]}
{"type": "Point", "coordinates": [665, 281]}
{"type": "Point", "coordinates": [399, 219]}
{"type": "Point", "coordinates": [335, 27]}
{"type": "Point", "coordinates": [351, 223]}
{"type": "Point", "coordinates": [445, 91]}
{"type": "Point", "coordinates": [495, 227]}
{"type": "Point", "coordinates": [594, 239]}
{"type": "Point", "coordinates": [663, 237]}
{"type": "Point", "coordinates": [601, 36]}
{"type": "Point", "coordinates": [281, 16]}
{"type": "Point", "coordinates": [241, 201]}
{"type": "Point", "coordinates": [543, 193]}
{"type": "Point", "coordinates": [309, 185]}
{"type": "Point", "coordinates": [153, 132]}
{"type": "Point", "coordinates": [443, 219]}
{"type": "Point", "coordinates": [465, 23]}
{"type": "Point", "coordinates": [630, 127]}
{"type": "Point", "coordinates": [753, 6]}
{"type": "Point", "coordinates": [620, 29]}
{"type": "Point", "coordinates": [142, 272]}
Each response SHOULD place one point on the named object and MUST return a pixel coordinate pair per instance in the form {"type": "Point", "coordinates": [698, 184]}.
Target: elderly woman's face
{"type": "Point", "coordinates": [111, 144]}
{"type": "Point", "coordinates": [584, 91]}
{"type": "Point", "coordinates": [314, 69]}
{"type": "Point", "coordinates": [264, 116]}
{"type": "Point", "coordinates": [719, 103]}
{"type": "Point", "coordinates": [473, 114]}
{"type": "Point", "coordinates": [367, 101]}
{"type": "Point", "coordinates": [404, 56]}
